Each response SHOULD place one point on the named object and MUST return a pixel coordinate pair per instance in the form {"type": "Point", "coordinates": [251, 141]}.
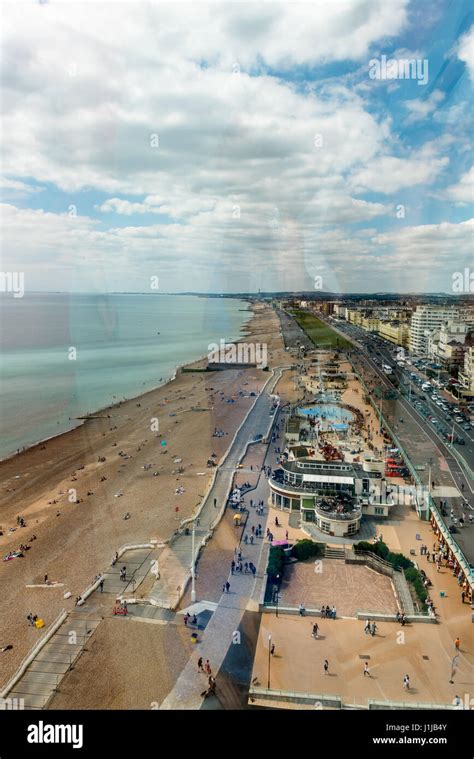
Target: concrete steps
{"type": "Point", "coordinates": [335, 552]}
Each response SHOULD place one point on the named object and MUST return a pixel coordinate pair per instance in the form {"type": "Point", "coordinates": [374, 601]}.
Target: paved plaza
{"type": "Point", "coordinates": [349, 587]}
{"type": "Point", "coordinates": [418, 650]}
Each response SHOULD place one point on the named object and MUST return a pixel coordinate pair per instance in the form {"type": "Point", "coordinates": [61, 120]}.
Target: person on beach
{"type": "Point", "coordinates": [314, 633]}
{"type": "Point", "coordinates": [366, 670]}
{"type": "Point", "coordinates": [326, 667]}
{"type": "Point", "coordinates": [200, 667]}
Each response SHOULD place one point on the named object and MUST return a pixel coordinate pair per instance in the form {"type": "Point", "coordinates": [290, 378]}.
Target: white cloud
{"type": "Point", "coordinates": [463, 191]}
{"type": "Point", "coordinates": [465, 50]}
{"type": "Point", "coordinates": [420, 108]}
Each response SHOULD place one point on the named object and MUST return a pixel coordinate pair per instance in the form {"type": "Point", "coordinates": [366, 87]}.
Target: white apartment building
{"type": "Point", "coordinates": [425, 319]}
{"type": "Point", "coordinates": [446, 344]}
{"type": "Point", "coordinates": [466, 376]}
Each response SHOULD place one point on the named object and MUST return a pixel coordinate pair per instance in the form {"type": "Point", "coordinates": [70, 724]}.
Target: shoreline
{"type": "Point", "coordinates": [89, 416]}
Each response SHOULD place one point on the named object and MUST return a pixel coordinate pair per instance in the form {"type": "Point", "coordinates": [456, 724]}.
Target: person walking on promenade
{"type": "Point", "coordinates": [366, 670]}
{"type": "Point", "coordinates": [463, 595]}
{"type": "Point", "coordinates": [314, 633]}
{"type": "Point", "coordinates": [232, 567]}
{"type": "Point", "coordinates": [251, 540]}
{"type": "Point", "coordinates": [207, 668]}
{"type": "Point", "coordinates": [227, 586]}
{"type": "Point", "coordinates": [200, 667]}
{"type": "Point", "coordinates": [367, 627]}
{"type": "Point", "coordinates": [373, 629]}
{"type": "Point", "coordinates": [457, 643]}
{"type": "Point", "coordinates": [326, 667]}
{"type": "Point", "coordinates": [101, 585]}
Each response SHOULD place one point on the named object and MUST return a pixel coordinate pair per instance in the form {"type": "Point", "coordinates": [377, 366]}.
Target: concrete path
{"type": "Point", "coordinates": [176, 559]}
{"type": "Point", "coordinates": [223, 628]}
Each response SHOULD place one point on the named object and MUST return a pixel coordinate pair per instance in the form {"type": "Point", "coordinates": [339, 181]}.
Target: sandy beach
{"type": "Point", "coordinates": [116, 463]}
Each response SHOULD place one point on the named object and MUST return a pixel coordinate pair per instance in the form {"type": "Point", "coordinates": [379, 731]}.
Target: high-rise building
{"type": "Point", "coordinates": [426, 319]}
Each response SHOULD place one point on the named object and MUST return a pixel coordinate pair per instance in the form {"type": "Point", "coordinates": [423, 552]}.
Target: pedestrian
{"type": "Point", "coordinates": [366, 670]}
{"type": "Point", "coordinates": [286, 535]}
{"type": "Point", "coordinates": [207, 668]}
{"type": "Point", "coordinates": [215, 502]}
{"type": "Point", "coordinates": [463, 595]}
{"type": "Point", "coordinates": [373, 629]}
{"type": "Point", "coordinates": [314, 633]}
{"type": "Point", "coordinates": [246, 567]}
{"type": "Point", "coordinates": [232, 567]}
{"type": "Point", "coordinates": [277, 523]}
{"type": "Point", "coordinates": [200, 667]}
{"type": "Point", "coordinates": [251, 540]}
{"type": "Point", "coordinates": [101, 585]}
{"type": "Point", "coordinates": [301, 610]}
{"type": "Point", "coordinates": [46, 579]}
{"type": "Point", "coordinates": [333, 612]}
{"type": "Point", "coordinates": [326, 667]}
{"type": "Point", "coordinates": [457, 643]}
{"type": "Point", "coordinates": [367, 627]}
{"type": "Point", "coordinates": [406, 682]}
{"type": "Point", "coordinates": [246, 539]}
{"type": "Point", "coordinates": [227, 586]}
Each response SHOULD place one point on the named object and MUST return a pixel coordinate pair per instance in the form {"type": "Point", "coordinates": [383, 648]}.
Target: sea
{"type": "Point", "coordinates": [66, 355]}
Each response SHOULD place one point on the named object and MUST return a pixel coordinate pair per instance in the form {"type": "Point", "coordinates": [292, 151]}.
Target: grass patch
{"type": "Point", "coordinates": [318, 331]}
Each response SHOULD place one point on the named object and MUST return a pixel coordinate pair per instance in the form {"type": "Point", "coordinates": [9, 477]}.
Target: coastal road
{"type": "Point", "coordinates": [422, 443]}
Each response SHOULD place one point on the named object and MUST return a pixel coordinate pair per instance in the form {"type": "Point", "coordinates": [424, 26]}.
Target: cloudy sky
{"type": "Point", "coordinates": [234, 146]}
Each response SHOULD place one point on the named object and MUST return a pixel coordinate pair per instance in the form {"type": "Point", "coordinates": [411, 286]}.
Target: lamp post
{"type": "Point", "coordinates": [269, 659]}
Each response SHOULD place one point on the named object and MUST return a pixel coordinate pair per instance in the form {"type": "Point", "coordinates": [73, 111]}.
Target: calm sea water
{"type": "Point", "coordinates": [119, 353]}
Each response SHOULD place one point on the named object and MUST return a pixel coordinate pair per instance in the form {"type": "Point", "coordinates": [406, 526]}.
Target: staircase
{"type": "Point", "coordinates": [335, 552]}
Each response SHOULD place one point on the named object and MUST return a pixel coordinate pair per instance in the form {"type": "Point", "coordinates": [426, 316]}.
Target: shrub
{"type": "Point", "coordinates": [276, 562]}
{"type": "Point", "coordinates": [306, 549]}
{"type": "Point", "coordinates": [414, 577]}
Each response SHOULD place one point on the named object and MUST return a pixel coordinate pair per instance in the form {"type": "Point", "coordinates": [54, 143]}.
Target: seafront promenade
{"type": "Point", "coordinates": [224, 631]}
{"type": "Point", "coordinates": [176, 559]}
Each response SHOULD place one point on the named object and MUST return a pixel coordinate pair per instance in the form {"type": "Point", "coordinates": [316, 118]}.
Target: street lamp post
{"type": "Point", "coordinates": [269, 659]}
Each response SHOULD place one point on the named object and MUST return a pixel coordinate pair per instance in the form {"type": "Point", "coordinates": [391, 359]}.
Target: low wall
{"type": "Point", "coordinates": [315, 699]}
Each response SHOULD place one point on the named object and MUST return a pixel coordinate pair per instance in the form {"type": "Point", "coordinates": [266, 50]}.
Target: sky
{"type": "Point", "coordinates": [237, 146]}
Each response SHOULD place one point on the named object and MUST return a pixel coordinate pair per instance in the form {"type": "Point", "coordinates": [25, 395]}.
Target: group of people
{"type": "Point", "coordinates": [370, 628]}
{"type": "Point", "coordinates": [243, 567]}
{"type": "Point", "coordinates": [328, 612]}
{"type": "Point", "coordinates": [123, 574]}
{"type": "Point", "coordinates": [32, 619]}
{"type": "Point", "coordinates": [401, 618]}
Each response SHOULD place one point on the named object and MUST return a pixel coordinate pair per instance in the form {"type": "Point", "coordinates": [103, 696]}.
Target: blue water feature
{"type": "Point", "coordinates": [329, 412]}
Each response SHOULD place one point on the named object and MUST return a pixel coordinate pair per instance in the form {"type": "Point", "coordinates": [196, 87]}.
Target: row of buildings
{"type": "Point", "coordinates": [443, 334]}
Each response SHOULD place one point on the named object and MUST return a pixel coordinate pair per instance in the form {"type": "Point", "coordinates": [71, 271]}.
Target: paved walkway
{"type": "Point", "coordinates": [176, 559]}
{"type": "Point", "coordinates": [244, 592]}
